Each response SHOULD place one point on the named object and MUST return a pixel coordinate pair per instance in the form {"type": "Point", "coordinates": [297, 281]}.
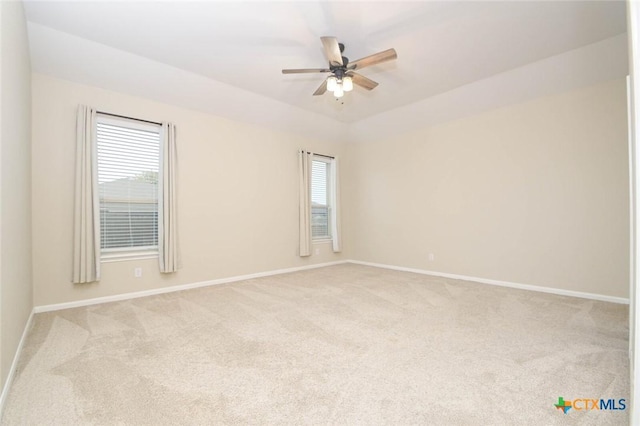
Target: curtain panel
{"type": "Point", "coordinates": [168, 248]}
{"type": "Point", "coordinates": [304, 211]}
{"type": "Point", "coordinates": [336, 238]}
{"type": "Point", "coordinates": [86, 220]}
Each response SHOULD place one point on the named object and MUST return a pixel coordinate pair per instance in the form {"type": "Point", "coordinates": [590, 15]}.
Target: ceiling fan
{"type": "Point", "coordinates": [343, 75]}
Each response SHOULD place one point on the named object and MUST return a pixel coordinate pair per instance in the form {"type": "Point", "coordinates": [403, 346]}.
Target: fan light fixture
{"type": "Point", "coordinates": [339, 85]}
{"type": "Point", "coordinates": [347, 84]}
{"type": "Point", "coordinates": [332, 83]}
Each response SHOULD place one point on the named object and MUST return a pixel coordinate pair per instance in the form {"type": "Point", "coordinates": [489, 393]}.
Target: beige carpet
{"type": "Point", "coordinates": [340, 345]}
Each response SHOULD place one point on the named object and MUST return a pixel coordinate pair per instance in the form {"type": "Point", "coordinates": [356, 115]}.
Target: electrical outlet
{"type": "Point", "coordinates": [431, 257]}
{"type": "Point", "coordinates": [317, 251]}
{"type": "Point", "coordinates": [137, 272]}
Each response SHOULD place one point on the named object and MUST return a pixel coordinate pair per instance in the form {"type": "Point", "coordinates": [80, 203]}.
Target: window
{"type": "Point", "coordinates": [128, 168]}
{"type": "Point", "coordinates": [321, 198]}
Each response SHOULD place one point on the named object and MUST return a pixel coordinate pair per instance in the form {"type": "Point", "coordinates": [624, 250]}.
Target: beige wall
{"type": "Point", "coordinates": [237, 201]}
{"type": "Point", "coordinates": [15, 181]}
{"type": "Point", "coordinates": [535, 193]}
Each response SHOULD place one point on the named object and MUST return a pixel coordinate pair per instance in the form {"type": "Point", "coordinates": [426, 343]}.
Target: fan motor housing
{"type": "Point", "coordinates": [343, 67]}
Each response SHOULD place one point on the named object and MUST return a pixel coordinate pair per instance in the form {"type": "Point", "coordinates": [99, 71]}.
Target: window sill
{"type": "Point", "coordinates": [322, 241]}
{"type": "Point", "coordinates": [121, 257]}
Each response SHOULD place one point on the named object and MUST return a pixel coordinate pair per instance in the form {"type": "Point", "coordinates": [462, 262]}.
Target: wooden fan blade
{"type": "Point", "coordinates": [362, 81]}
{"type": "Point", "coordinates": [332, 50]}
{"type": "Point", "coordinates": [376, 58]}
{"type": "Point", "coordinates": [305, 70]}
{"type": "Point", "coordinates": [321, 89]}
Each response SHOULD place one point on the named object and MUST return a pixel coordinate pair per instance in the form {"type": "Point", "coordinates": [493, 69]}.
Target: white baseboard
{"type": "Point", "coordinates": [14, 364]}
{"type": "Point", "coordinates": [171, 289]}
{"type": "Point", "coordinates": [137, 294]}
{"type": "Point", "coordinates": [528, 287]}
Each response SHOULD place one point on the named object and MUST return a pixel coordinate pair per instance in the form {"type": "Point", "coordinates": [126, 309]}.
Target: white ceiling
{"type": "Point", "coordinates": [441, 45]}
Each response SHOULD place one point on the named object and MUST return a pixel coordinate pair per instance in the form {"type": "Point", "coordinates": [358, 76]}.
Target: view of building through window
{"type": "Point", "coordinates": [320, 198]}
{"type": "Point", "coordinates": [128, 167]}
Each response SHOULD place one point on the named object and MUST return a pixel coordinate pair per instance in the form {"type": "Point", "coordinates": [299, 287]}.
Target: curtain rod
{"type": "Point", "coordinates": [320, 155]}
{"type": "Point", "coordinates": [325, 156]}
{"type": "Point", "coordinates": [129, 118]}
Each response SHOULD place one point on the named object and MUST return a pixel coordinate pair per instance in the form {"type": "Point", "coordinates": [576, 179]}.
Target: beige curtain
{"type": "Point", "coordinates": [304, 172]}
{"type": "Point", "coordinates": [168, 249]}
{"type": "Point", "coordinates": [86, 221]}
{"type": "Point", "coordinates": [335, 203]}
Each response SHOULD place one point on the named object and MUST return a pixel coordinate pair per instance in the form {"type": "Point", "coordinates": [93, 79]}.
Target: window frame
{"type": "Point", "coordinates": [115, 254]}
{"type": "Point", "coordinates": [330, 188]}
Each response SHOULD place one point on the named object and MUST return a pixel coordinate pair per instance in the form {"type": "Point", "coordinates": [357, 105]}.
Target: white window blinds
{"type": "Point", "coordinates": [128, 167]}
{"type": "Point", "coordinates": [320, 196]}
